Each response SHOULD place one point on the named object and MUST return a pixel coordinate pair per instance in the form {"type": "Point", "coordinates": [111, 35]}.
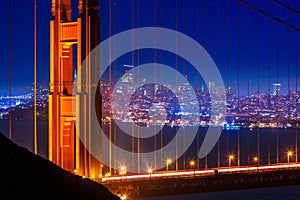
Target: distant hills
{"type": "Point", "coordinates": [24, 175]}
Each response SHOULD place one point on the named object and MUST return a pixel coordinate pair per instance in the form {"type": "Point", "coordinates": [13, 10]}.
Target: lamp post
{"type": "Point", "coordinates": [150, 172]}
{"type": "Point", "coordinates": [289, 154]}
{"type": "Point", "coordinates": [192, 164]}
{"type": "Point", "coordinates": [101, 172]}
{"type": "Point", "coordinates": [230, 158]}
{"type": "Point", "coordinates": [107, 175]}
{"type": "Point", "coordinates": [123, 171]}
{"type": "Point", "coordinates": [255, 159]}
{"type": "Point", "coordinates": [168, 162]}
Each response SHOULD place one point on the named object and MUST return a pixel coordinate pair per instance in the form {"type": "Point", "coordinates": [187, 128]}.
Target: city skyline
{"type": "Point", "coordinates": [276, 110]}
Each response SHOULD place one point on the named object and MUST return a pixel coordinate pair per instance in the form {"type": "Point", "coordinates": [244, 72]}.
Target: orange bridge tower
{"type": "Point", "coordinates": [70, 43]}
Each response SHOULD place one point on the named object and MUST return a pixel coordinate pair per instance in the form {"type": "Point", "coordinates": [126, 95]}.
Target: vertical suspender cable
{"type": "Point", "coordinates": [88, 133]}
{"type": "Point", "coordinates": [239, 81]}
{"type": "Point", "coordinates": [154, 71]}
{"type": "Point", "coordinates": [184, 72]}
{"type": "Point", "coordinates": [110, 92]}
{"type": "Point", "coordinates": [197, 36]}
{"type": "Point", "coordinates": [10, 67]}
{"type": "Point", "coordinates": [258, 83]}
{"type": "Point", "coordinates": [132, 101]}
{"type": "Point", "coordinates": [219, 63]}
{"type": "Point", "coordinates": [269, 92]}
{"type": "Point", "coordinates": [289, 79]}
{"type": "Point", "coordinates": [138, 64]}
{"type": "Point", "coordinates": [248, 88]}
{"type": "Point", "coordinates": [161, 61]}
{"type": "Point", "coordinates": [35, 142]}
{"type": "Point", "coordinates": [206, 47]}
{"type": "Point", "coordinates": [176, 153]}
{"type": "Point", "coordinates": [297, 98]}
{"type": "Point", "coordinates": [227, 67]}
{"type": "Point", "coordinates": [277, 95]}
{"type": "Point", "coordinates": [114, 96]}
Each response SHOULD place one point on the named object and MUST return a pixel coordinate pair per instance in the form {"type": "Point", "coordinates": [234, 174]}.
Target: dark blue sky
{"type": "Point", "coordinates": [228, 30]}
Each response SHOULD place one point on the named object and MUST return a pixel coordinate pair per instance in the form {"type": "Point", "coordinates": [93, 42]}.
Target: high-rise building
{"type": "Point", "coordinates": [127, 78]}
{"type": "Point", "coordinates": [276, 89]}
{"type": "Point", "coordinates": [211, 87]}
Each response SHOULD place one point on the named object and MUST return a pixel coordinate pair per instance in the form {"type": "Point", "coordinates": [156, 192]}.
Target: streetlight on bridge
{"type": "Point", "coordinates": [149, 171]}
{"type": "Point", "coordinates": [230, 158]}
{"type": "Point", "coordinates": [123, 170]}
{"type": "Point", "coordinates": [168, 162]}
{"type": "Point", "coordinates": [101, 172]}
{"type": "Point", "coordinates": [289, 154]}
{"type": "Point", "coordinates": [192, 164]}
{"type": "Point", "coordinates": [256, 160]}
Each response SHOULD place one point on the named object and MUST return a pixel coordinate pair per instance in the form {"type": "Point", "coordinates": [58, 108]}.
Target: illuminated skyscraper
{"type": "Point", "coordinates": [276, 89]}
{"type": "Point", "coordinates": [211, 87]}
{"type": "Point", "coordinates": [127, 78]}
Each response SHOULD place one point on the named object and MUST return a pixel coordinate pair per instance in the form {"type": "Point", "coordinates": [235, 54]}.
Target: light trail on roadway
{"type": "Point", "coordinates": [199, 173]}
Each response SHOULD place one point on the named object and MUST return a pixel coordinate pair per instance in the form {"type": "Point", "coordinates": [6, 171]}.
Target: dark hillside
{"type": "Point", "coordinates": [24, 175]}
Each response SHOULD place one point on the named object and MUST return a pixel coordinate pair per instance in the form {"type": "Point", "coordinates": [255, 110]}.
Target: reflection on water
{"type": "Point", "coordinates": [228, 143]}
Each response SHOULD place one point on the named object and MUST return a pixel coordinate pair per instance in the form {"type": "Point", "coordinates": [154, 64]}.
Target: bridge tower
{"type": "Point", "coordinates": [66, 38]}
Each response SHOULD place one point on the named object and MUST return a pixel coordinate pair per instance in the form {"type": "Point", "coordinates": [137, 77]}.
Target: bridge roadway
{"type": "Point", "coordinates": [199, 173]}
{"type": "Point", "coordinates": [196, 181]}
